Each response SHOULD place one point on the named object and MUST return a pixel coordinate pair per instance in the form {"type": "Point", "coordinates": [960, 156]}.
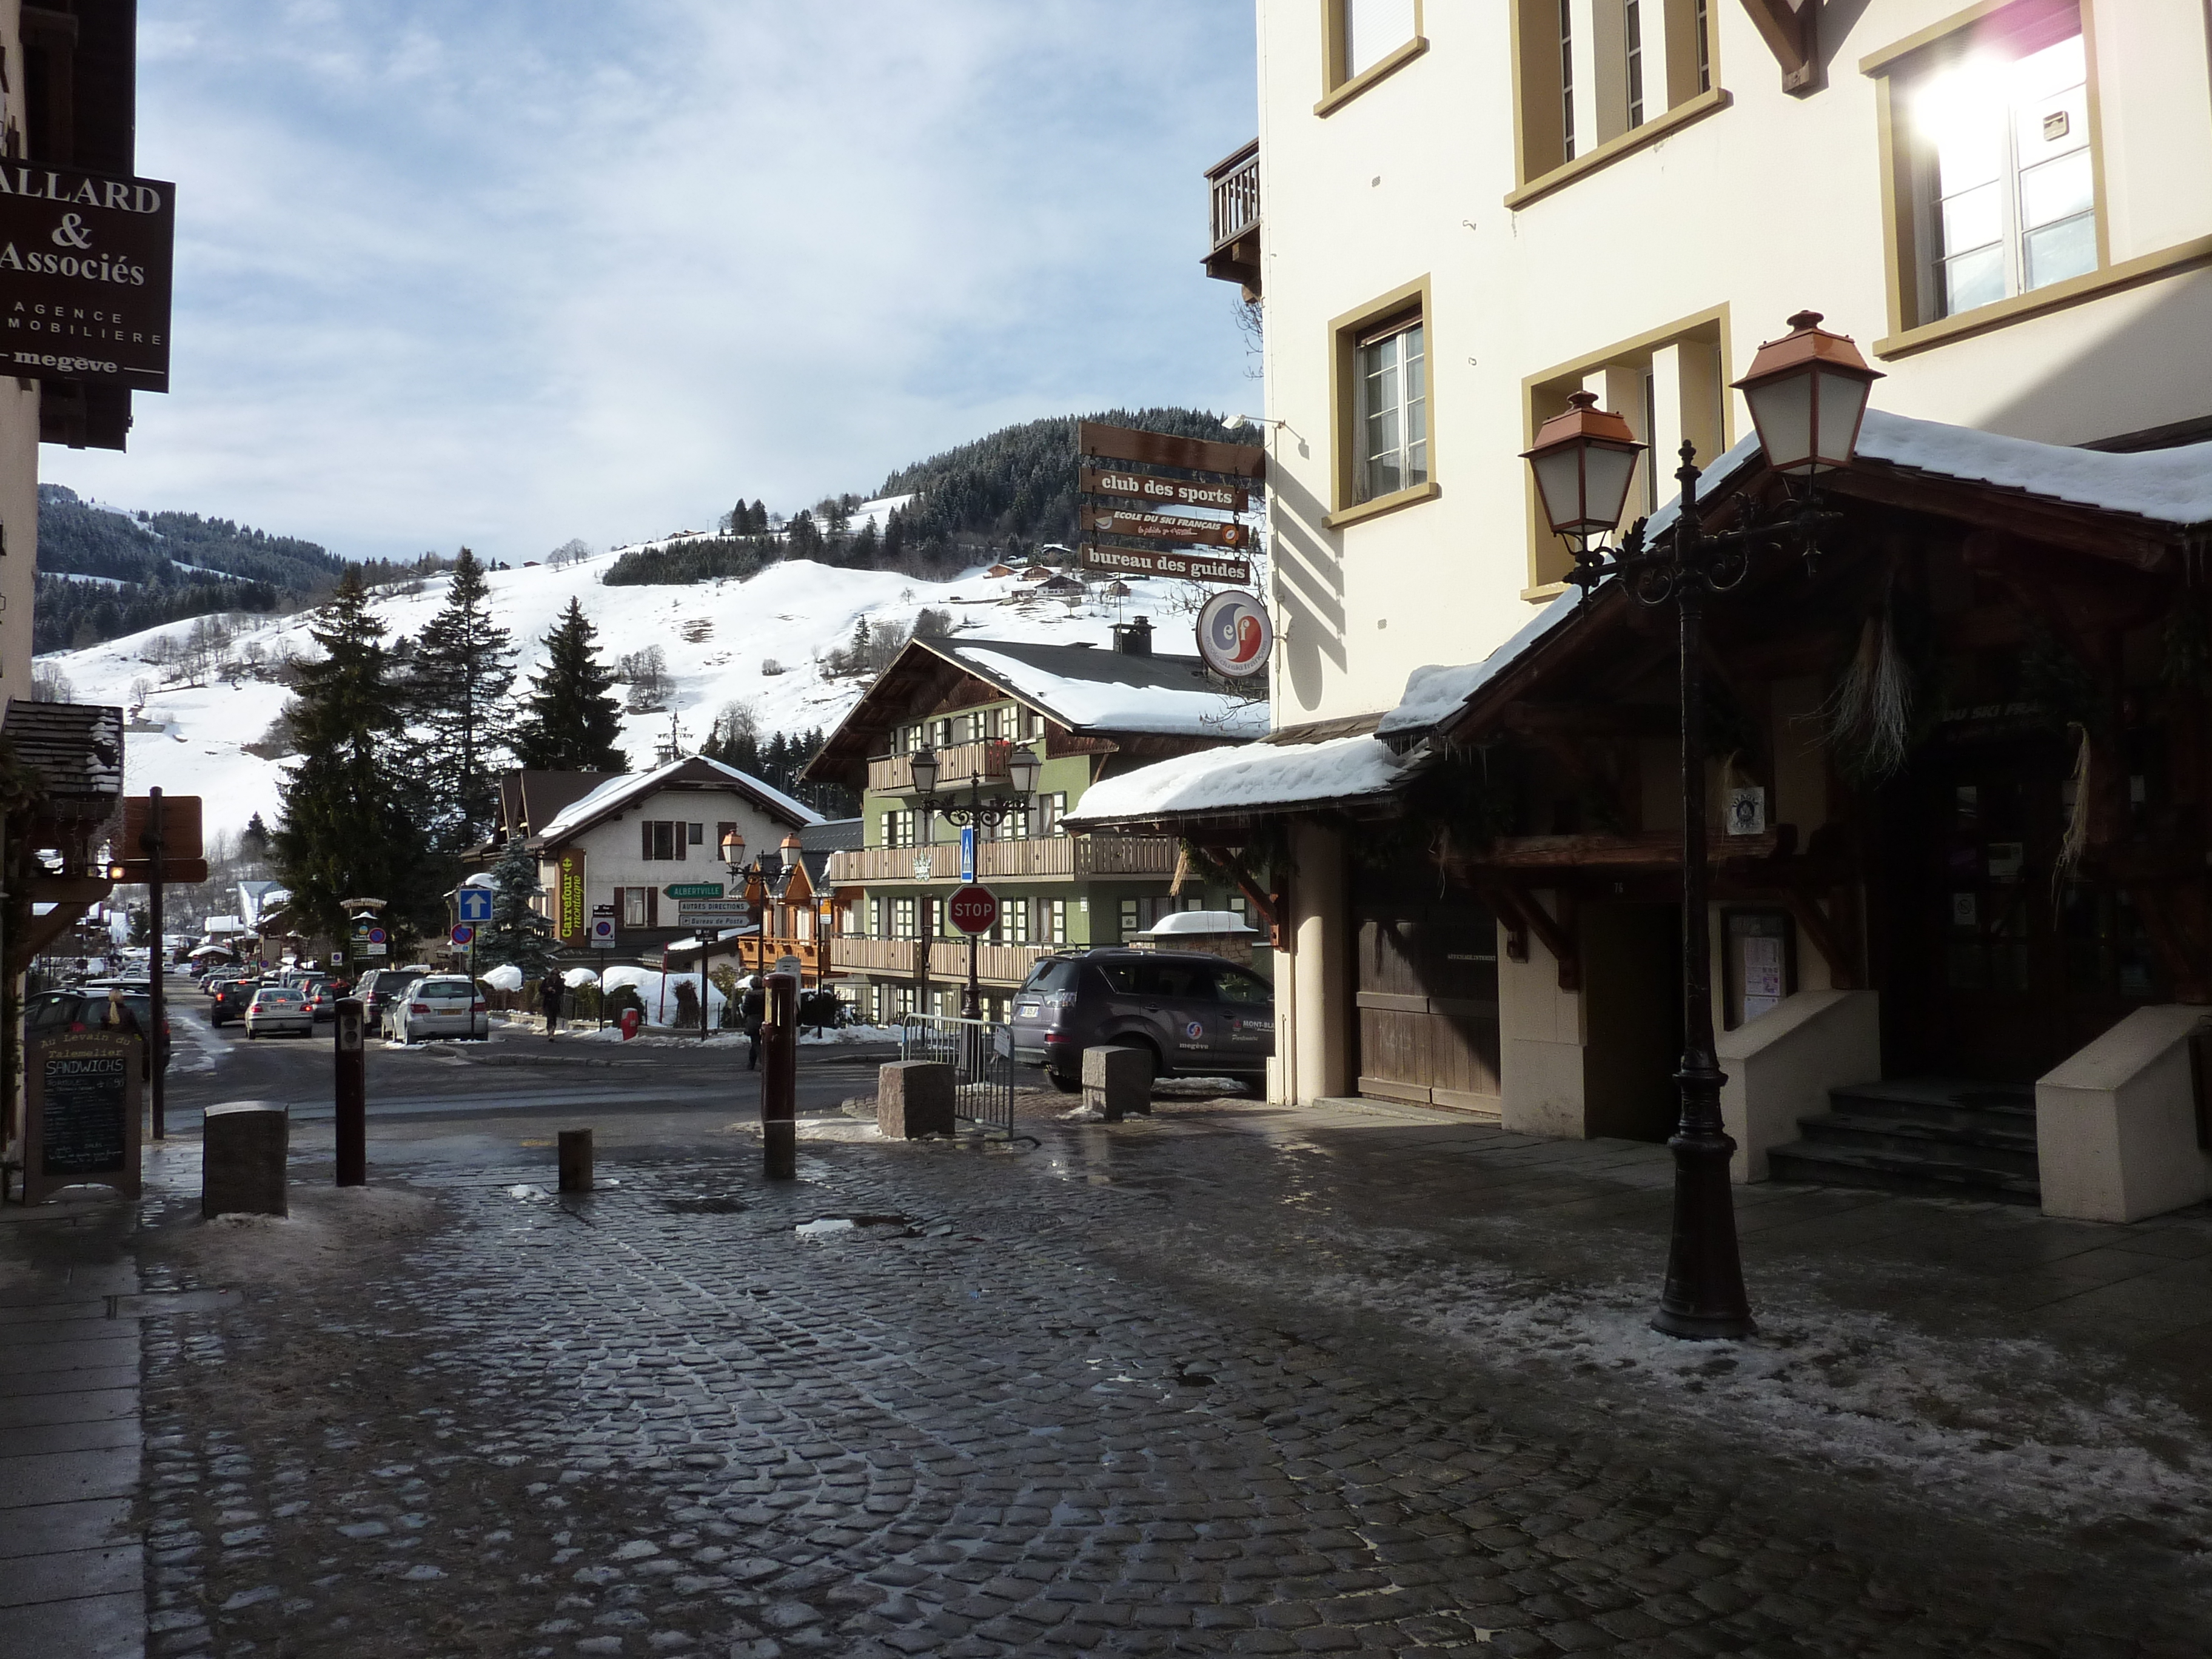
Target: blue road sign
{"type": "Point", "coordinates": [967, 852]}
{"type": "Point", "coordinates": [464, 933]}
{"type": "Point", "coordinates": [476, 903]}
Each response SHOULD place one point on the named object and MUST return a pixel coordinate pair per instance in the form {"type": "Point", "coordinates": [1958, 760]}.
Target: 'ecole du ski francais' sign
{"type": "Point", "coordinates": [84, 275]}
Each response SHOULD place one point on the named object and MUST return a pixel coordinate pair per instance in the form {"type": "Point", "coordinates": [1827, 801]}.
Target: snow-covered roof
{"type": "Point", "coordinates": [609, 796]}
{"type": "Point", "coordinates": [1434, 692]}
{"type": "Point", "coordinates": [216, 925]}
{"type": "Point", "coordinates": [1251, 777]}
{"type": "Point", "coordinates": [1198, 921]}
{"type": "Point", "coordinates": [1093, 690]}
{"type": "Point", "coordinates": [2170, 486]}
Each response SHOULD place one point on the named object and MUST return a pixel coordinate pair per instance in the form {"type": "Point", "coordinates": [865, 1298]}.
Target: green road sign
{"type": "Point", "coordinates": [684, 889]}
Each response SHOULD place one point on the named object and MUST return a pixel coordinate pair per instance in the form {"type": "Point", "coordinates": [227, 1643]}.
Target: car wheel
{"type": "Point", "coordinates": [249, 1034]}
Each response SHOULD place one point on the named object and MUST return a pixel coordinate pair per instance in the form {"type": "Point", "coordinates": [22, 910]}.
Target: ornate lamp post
{"type": "Point", "coordinates": [1808, 392]}
{"type": "Point", "coordinates": [1022, 769]}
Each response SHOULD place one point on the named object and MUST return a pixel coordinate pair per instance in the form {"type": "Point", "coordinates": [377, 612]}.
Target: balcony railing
{"type": "Point", "coordinates": [1043, 858]}
{"type": "Point", "coordinates": [899, 957]}
{"type": "Point", "coordinates": [957, 763]}
{"type": "Point", "coordinates": [1233, 188]}
{"type": "Point", "coordinates": [945, 959]}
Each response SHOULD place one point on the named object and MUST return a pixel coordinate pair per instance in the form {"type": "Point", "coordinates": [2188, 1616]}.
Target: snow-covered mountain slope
{"type": "Point", "coordinates": [717, 638]}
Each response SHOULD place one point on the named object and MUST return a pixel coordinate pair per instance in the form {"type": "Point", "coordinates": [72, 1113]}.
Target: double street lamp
{"type": "Point", "coordinates": [1808, 392]}
{"type": "Point", "coordinates": [1022, 769]}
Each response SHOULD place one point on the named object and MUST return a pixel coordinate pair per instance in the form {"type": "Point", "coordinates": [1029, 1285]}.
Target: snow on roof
{"type": "Point", "coordinates": [628, 785]}
{"type": "Point", "coordinates": [1198, 921]}
{"type": "Point", "coordinates": [2172, 486]}
{"type": "Point", "coordinates": [1110, 691]}
{"type": "Point", "coordinates": [1433, 693]}
{"type": "Point", "coordinates": [1249, 777]}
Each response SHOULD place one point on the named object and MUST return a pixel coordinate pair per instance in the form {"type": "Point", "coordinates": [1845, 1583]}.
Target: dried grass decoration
{"type": "Point", "coordinates": [1868, 719]}
{"type": "Point", "coordinates": [2076, 841]}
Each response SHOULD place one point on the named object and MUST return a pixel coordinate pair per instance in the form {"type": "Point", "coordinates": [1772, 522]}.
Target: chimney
{"type": "Point", "coordinates": [1133, 639]}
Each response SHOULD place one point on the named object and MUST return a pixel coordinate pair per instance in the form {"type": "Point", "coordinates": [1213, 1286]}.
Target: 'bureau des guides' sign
{"type": "Point", "coordinates": [84, 275]}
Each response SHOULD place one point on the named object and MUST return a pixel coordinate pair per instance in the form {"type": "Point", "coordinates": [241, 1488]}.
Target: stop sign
{"type": "Point", "coordinates": [972, 909]}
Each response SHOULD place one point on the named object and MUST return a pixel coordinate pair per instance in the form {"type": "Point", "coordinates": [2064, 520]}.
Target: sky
{"type": "Point", "coordinates": [505, 272]}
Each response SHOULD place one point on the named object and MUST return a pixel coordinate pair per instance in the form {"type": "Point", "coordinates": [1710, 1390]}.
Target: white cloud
{"type": "Point", "coordinates": [508, 272]}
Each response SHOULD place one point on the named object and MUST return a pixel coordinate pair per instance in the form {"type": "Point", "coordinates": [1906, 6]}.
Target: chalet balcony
{"type": "Point", "coordinates": [959, 764]}
{"type": "Point", "coordinates": [943, 960]}
{"type": "Point", "coordinates": [1233, 187]}
{"type": "Point", "coordinates": [1043, 857]}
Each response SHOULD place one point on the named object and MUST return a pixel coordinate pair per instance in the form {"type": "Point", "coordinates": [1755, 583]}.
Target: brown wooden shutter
{"type": "Point", "coordinates": [645, 827]}
{"type": "Point", "coordinates": [653, 907]}
{"type": "Point", "coordinates": [676, 834]}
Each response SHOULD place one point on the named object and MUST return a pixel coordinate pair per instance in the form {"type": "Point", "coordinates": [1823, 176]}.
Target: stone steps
{"type": "Point", "coordinates": [1931, 1136]}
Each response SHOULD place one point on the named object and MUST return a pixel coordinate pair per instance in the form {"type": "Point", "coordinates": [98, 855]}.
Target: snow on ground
{"type": "Point", "coordinates": [717, 637]}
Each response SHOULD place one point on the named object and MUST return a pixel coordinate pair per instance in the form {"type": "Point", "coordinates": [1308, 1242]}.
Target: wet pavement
{"type": "Point", "coordinates": [1230, 1380]}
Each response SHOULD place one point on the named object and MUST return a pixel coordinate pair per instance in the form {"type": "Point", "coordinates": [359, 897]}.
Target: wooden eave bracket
{"type": "Point", "coordinates": [1524, 913]}
{"type": "Point", "coordinates": [1792, 33]}
{"type": "Point", "coordinates": [1828, 935]}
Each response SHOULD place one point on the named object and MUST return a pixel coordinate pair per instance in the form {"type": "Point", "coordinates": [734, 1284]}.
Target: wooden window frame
{"type": "Point", "coordinates": [1691, 78]}
{"type": "Point", "coordinates": [1413, 302]}
{"type": "Point", "coordinates": [1337, 86]}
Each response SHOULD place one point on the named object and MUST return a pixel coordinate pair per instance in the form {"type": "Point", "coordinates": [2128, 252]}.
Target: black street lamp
{"type": "Point", "coordinates": [1022, 769]}
{"type": "Point", "coordinates": [1808, 392]}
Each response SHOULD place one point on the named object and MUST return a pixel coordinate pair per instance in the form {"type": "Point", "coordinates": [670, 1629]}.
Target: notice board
{"type": "Point", "coordinates": [82, 1119]}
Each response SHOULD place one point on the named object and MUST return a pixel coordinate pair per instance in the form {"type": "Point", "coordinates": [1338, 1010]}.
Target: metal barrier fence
{"type": "Point", "coordinates": [981, 1054]}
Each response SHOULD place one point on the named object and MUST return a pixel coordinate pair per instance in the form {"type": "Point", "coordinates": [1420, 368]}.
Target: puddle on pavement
{"type": "Point", "coordinates": [881, 1226]}
{"type": "Point", "coordinates": [162, 1304]}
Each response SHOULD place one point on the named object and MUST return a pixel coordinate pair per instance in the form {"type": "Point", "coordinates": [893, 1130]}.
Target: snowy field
{"type": "Point", "coordinates": [720, 639]}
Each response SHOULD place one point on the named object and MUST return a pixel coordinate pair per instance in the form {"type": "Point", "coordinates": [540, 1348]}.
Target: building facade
{"type": "Point", "coordinates": [1456, 218]}
{"type": "Point", "coordinates": [1086, 714]}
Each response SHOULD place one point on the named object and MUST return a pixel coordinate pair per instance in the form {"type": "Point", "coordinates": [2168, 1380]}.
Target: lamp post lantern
{"type": "Point", "coordinates": [1022, 769]}
{"type": "Point", "coordinates": [1808, 392]}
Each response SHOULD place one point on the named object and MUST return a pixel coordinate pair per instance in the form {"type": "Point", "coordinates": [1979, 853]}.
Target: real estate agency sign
{"type": "Point", "coordinates": [1124, 503]}
{"type": "Point", "coordinates": [85, 264]}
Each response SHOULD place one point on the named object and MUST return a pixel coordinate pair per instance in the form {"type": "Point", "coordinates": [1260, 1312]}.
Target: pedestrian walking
{"type": "Point", "coordinates": [549, 992]}
{"type": "Point", "coordinates": [750, 1011]}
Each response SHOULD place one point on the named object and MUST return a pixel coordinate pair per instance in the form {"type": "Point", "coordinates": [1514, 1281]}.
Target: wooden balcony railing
{"type": "Point", "coordinates": [958, 763]}
{"type": "Point", "coordinates": [945, 959]}
{"type": "Point", "coordinates": [1233, 187]}
{"type": "Point", "coordinates": [1041, 858]}
{"type": "Point", "coordinates": [898, 957]}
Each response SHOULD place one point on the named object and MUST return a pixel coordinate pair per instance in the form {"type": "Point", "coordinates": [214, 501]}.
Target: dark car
{"type": "Point", "coordinates": [382, 989]}
{"type": "Point", "coordinates": [230, 1001]}
{"type": "Point", "coordinates": [86, 1008]}
{"type": "Point", "coordinates": [1198, 1015]}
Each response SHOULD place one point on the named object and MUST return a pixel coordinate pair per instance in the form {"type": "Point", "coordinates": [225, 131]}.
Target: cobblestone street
{"type": "Point", "coordinates": [1049, 1399]}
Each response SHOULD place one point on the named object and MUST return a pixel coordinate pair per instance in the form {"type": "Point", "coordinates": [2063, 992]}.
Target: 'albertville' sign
{"type": "Point", "coordinates": [84, 275]}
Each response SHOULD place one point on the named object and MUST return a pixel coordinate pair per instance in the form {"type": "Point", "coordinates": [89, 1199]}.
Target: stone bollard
{"type": "Point", "coordinates": [1117, 1081]}
{"type": "Point", "coordinates": [913, 1097]}
{"type": "Point", "coordinates": [242, 1152]}
{"type": "Point", "coordinates": [575, 1160]}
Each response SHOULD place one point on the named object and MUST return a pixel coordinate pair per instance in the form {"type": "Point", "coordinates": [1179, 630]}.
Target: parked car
{"type": "Point", "coordinates": [321, 997]}
{"type": "Point", "coordinates": [85, 1008]}
{"type": "Point", "coordinates": [1198, 1015]}
{"type": "Point", "coordinates": [230, 1001]}
{"type": "Point", "coordinates": [441, 1005]}
{"type": "Point", "coordinates": [277, 1008]}
{"type": "Point", "coordinates": [379, 989]}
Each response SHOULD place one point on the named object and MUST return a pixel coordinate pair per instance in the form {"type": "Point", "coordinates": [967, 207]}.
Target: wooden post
{"type": "Point", "coordinates": [575, 1155]}
{"type": "Point", "coordinates": [352, 1126]}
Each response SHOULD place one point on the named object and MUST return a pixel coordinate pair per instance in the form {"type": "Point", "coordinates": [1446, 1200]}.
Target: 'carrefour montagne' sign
{"type": "Point", "coordinates": [85, 263]}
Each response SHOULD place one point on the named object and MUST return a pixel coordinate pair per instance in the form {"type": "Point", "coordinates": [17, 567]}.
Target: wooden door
{"type": "Point", "coordinates": [1426, 993]}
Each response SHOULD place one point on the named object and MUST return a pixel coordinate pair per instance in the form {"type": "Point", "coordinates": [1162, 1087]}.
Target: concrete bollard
{"type": "Point", "coordinates": [1117, 1081]}
{"type": "Point", "coordinates": [913, 1097]}
{"type": "Point", "coordinates": [575, 1160]}
{"type": "Point", "coordinates": [243, 1149]}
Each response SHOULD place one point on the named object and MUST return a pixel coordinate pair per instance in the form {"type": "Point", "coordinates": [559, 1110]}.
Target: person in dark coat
{"type": "Point", "coordinates": [550, 990]}
{"type": "Point", "coordinates": [752, 1010]}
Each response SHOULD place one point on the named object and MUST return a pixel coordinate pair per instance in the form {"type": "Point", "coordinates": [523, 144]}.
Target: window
{"type": "Point", "coordinates": [1567, 79]}
{"type": "Point", "coordinates": [1592, 71]}
{"type": "Point", "coordinates": [665, 840]}
{"type": "Point", "coordinates": [2004, 185]}
{"type": "Point", "coordinates": [1052, 921]}
{"type": "Point", "coordinates": [1365, 40]}
{"type": "Point", "coordinates": [1132, 921]}
{"type": "Point", "coordinates": [903, 918]}
{"type": "Point", "coordinates": [1050, 810]}
{"type": "Point", "coordinates": [1394, 420]}
{"type": "Point", "coordinates": [636, 906]}
{"type": "Point", "coordinates": [875, 919]}
{"type": "Point", "coordinates": [1631, 24]}
{"type": "Point", "coordinates": [1247, 990]}
{"type": "Point", "coordinates": [1012, 927]}
{"type": "Point", "coordinates": [1032, 724]}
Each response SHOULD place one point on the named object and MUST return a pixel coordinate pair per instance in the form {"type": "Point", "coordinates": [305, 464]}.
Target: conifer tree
{"type": "Point", "coordinates": [462, 667]}
{"type": "Point", "coordinates": [516, 933]}
{"type": "Point", "coordinates": [570, 722]}
{"type": "Point", "coordinates": [760, 518]}
{"type": "Point", "coordinates": [347, 830]}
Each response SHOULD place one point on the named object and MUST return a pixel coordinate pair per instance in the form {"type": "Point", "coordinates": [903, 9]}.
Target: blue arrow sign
{"type": "Point", "coordinates": [476, 903]}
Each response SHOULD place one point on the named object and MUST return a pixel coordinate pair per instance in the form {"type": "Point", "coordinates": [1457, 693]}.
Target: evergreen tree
{"type": "Point", "coordinates": [804, 540]}
{"type": "Point", "coordinates": [463, 665]}
{"type": "Point", "coordinates": [254, 840]}
{"type": "Point", "coordinates": [758, 524]}
{"type": "Point", "coordinates": [866, 549]}
{"type": "Point", "coordinates": [347, 829]}
{"type": "Point", "coordinates": [516, 933]}
{"type": "Point", "coordinates": [570, 722]}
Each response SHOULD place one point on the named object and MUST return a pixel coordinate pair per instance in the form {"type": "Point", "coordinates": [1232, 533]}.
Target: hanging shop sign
{"type": "Point", "coordinates": [1234, 634]}
{"type": "Point", "coordinates": [1165, 492]}
{"type": "Point", "coordinates": [573, 923]}
{"type": "Point", "coordinates": [85, 263]}
{"type": "Point", "coordinates": [1168, 527]}
{"type": "Point", "coordinates": [1125, 443]}
{"type": "Point", "coordinates": [1146, 562]}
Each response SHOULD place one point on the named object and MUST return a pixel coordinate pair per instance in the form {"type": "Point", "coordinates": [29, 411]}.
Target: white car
{"type": "Point", "coordinates": [441, 1005]}
{"type": "Point", "coordinates": [278, 1008]}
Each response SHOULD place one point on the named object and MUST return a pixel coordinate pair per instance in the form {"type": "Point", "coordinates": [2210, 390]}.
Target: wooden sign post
{"type": "Point", "coordinates": [81, 1122]}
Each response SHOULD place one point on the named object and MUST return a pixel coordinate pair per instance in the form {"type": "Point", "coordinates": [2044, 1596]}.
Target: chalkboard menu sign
{"type": "Point", "coordinates": [82, 1117]}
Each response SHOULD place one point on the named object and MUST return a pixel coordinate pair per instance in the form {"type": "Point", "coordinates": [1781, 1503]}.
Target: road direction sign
{"type": "Point", "coordinates": [717, 913]}
{"type": "Point", "coordinates": [463, 934]}
{"type": "Point", "coordinates": [476, 903]}
{"type": "Point", "coordinates": [694, 890]}
{"type": "Point", "coordinates": [972, 909]}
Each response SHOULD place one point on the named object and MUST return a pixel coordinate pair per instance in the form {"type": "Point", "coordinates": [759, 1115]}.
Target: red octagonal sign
{"type": "Point", "coordinates": [972, 909]}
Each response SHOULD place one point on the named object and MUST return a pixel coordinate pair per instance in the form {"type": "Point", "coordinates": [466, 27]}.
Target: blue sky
{"type": "Point", "coordinates": [508, 271]}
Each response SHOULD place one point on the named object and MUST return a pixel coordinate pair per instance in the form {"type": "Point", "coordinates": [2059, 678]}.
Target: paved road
{"type": "Point", "coordinates": [515, 1071]}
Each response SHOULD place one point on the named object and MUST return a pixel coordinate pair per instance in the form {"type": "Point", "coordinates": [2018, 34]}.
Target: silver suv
{"type": "Point", "coordinates": [1198, 1015]}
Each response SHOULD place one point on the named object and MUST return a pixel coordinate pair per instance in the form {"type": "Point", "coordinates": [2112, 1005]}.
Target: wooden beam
{"type": "Point", "coordinates": [1813, 921]}
{"type": "Point", "coordinates": [1792, 33]}
{"type": "Point", "coordinates": [1558, 934]}
{"type": "Point", "coordinates": [2110, 536]}
{"type": "Point", "coordinates": [1607, 720]}
{"type": "Point", "coordinates": [45, 930]}
{"type": "Point", "coordinates": [1659, 850]}
{"type": "Point", "coordinates": [70, 889]}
